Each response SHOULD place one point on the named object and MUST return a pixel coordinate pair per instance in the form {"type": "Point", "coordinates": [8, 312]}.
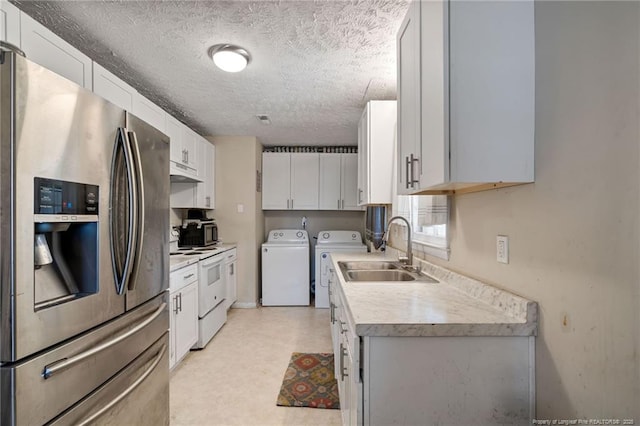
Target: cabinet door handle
{"type": "Point", "coordinates": [406, 175]}
{"type": "Point", "coordinates": [180, 301]}
{"type": "Point", "coordinates": [331, 310]}
{"type": "Point", "coordinates": [186, 277]}
{"type": "Point", "coordinates": [208, 201]}
{"type": "Point", "coordinates": [341, 362]}
{"type": "Point", "coordinates": [175, 304]}
{"type": "Point", "coordinates": [413, 161]}
{"type": "Point", "coordinates": [342, 329]}
{"type": "Point", "coordinates": [342, 353]}
{"type": "Point", "coordinates": [342, 204]}
{"type": "Point", "coordinates": [359, 195]}
{"type": "Point", "coordinates": [287, 204]}
{"type": "Point", "coordinates": [338, 204]}
{"type": "Point", "coordinates": [292, 204]}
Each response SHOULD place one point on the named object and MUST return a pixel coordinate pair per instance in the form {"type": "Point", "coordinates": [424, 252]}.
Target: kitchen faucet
{"type": "Point", "coordinates": [408, 260]}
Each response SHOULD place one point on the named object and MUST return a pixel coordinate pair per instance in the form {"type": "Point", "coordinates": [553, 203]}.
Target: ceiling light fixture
{"type": "Point", "coordinates": [229, 58]}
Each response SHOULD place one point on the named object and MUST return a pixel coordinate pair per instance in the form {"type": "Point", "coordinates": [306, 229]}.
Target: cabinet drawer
{"type": "Point", "coordinates": [182, 277]}
{"type": "Point", "coordinates": [230, 255]}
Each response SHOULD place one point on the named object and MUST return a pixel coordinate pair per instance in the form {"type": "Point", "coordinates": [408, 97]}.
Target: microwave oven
{"type": "Point", "coordinates": [198, 234]}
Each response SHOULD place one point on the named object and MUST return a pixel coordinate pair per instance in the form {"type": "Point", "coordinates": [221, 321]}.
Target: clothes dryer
{"type": "Point", "coordinates": [329, 242]}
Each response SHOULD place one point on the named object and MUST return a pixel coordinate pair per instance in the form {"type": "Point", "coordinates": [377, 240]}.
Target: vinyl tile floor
{"type": "Point", "coordinates": [236, 379]}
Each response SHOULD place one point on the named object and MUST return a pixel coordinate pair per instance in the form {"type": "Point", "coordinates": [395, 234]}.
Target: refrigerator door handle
{"type": "Point", "coordinates": [63, 364]}
{"type": "Point", "coordinates": [127, 391]}
{"type": "Point", "coordinates": [122, 267]}
{"type": "Point", "coordinates": [139, 203]}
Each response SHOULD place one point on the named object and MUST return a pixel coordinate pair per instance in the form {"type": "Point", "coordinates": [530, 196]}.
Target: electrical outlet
{"type": "Point", "coordinates": [502, 249]}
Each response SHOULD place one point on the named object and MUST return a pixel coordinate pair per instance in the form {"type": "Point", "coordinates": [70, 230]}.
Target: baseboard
{"type": "Point", "coordinates": [244, 305]}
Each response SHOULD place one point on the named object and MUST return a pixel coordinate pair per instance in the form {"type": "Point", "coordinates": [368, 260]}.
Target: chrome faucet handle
{"type": "Point", "coordinates": [404, 260]}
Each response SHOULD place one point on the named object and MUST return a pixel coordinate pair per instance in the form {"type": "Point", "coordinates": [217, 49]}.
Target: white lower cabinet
{"type": "Point", "coordinates": [452, 380]}
{"type": "Point", "coordinates": [184, 312]}
{"type": "Point", "coordinates": [346, 357]}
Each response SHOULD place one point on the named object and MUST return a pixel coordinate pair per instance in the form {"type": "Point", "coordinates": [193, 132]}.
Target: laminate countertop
{"type": "Point", "coordinates": [455, 306]}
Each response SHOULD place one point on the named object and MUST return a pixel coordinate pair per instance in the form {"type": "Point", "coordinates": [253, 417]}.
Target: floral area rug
{"type": "Point", "coordinates": [309, 382]}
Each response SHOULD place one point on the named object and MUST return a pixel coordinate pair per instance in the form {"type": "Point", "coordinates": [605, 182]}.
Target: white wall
{"type": "Point", "coordinates": [237, 159]}
{"type": "Point", "coordinates": [574, 235]}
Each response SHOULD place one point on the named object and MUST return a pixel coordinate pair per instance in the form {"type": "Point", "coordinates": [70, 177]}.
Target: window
{"type": "Point", "coordinates": [429, 217]}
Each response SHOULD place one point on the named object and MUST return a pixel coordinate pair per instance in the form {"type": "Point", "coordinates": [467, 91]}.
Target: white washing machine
{"type": "Point", "coordinates": [329, 242]}
{"type": "Point", "coordinates": [285, 268]}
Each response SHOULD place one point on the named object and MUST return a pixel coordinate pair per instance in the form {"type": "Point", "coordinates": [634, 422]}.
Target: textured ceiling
{"type": "Point", "coordinates": [314, 63]}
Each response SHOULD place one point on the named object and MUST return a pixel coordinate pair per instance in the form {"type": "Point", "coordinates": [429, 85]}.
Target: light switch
{"type": "Point", "coordinates": [502, 248]}
{"type": "Point", "coordinates": [240, 208]}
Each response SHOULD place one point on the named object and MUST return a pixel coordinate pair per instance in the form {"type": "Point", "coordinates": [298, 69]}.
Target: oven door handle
{"type": "Point", "coordinates": [127, 391]}
{"type": "Point", "coordinates": [63, 364]}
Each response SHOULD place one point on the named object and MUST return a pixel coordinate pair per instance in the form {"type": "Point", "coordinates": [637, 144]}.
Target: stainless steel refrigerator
{"type": "Point", "coordinates": [84, 259]}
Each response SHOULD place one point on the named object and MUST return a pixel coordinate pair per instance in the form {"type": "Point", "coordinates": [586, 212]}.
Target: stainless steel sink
{"type": "Point", "coordinates": [376, 265]}
{"type": "Point", "coordinates": [383, 275]}
{"type": "Point", "coordinates": [380, 271]}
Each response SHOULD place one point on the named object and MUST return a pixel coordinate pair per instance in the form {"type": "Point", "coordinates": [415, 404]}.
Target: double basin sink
{"type": "Point", "coordinates": [381, 271]}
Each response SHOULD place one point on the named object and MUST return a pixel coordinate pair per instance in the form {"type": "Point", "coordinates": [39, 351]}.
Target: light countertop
{"type": "Point", "coordinates": [456, 306]}
{"type": "Point", "coordinates": [180, 261]}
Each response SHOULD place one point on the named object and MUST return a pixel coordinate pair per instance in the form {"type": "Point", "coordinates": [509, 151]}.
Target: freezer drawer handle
{"type": "Point", "coordinates": [62, 364]}
{"type": "Point", "coordinates": [130, 389]}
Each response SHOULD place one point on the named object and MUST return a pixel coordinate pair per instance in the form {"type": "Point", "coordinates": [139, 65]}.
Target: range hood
{"type": "Point", "coordinates": [184, 176]}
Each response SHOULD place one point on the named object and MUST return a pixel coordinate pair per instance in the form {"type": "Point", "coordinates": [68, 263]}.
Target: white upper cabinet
{"type": "Point", "coordinates": [47, 49]}
{"type": "Point", "coordinates": [305, 169]}
{"type": "Point", "coordinates": [338, 182]}
{"type": "Point", "coordinates": [276, 181]}
{"type": "Point", "coordinates": [112, 88]}
{"type": "Point", "coordinates": [197, 194]}
{"type": "Point", "coordinates": [376, 138]}
{"type": "Point", "coordinates": [466, 94]}
{"type": "Point", "coordinates": [9, 23]}
{"type": "Point", "coordinates": [408, 108]}
{"type": "Point", "coordinates": [146, 110]}
{"type": "Point", "coordinates": [173, 129]}
{"type": "Point", "coordinates": [206, 161]}
{"type": "Point", "coordinates": [290, 181]}
{"type": "Point", "coordinates": [190, 142]}
{"type": "Point", "coordinates": [349, 181]}
{"type": "Point", "coordinates": [330, 182]}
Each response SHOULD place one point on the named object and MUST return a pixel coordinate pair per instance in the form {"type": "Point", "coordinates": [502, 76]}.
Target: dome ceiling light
{"type": "Point", "coordinates": [229, 58]}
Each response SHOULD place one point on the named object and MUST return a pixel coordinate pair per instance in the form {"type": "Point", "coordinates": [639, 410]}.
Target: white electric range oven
{"type": "Point", "coordinates": [212, 313]}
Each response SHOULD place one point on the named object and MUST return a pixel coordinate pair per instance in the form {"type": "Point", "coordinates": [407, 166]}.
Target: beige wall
{"type": "Point", "coordinates": [574, 235]}
{"type": "Point", "coordinates": [237, 159]}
